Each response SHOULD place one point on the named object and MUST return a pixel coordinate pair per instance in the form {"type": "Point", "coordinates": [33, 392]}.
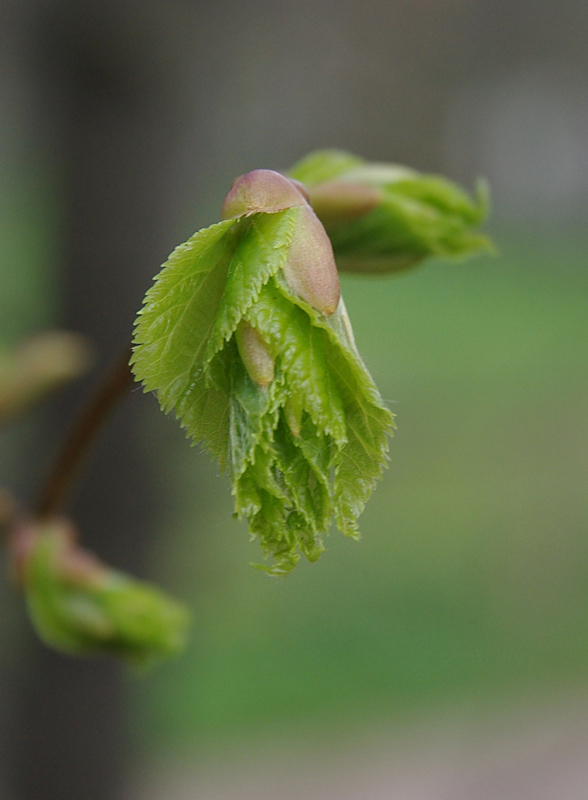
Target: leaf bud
{"type": "Point", "coordinates": [339, 202]}
{"type": "Point", "coordinates": [255, 354]}
{"type": "Point", "coordinates": [384, 218]}
{"type": "Point", "coordinates": [261, 190]}
{"type": "Point", "coordinates": [39, 365]}
{"type": "Point", "coordinates": [81, 606]}
{"type": "Point", "coordinates": [310, 269]}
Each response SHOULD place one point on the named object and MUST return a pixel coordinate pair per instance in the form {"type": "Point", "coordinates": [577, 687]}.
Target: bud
{"type": "Point", "coordinates": [80, 606]}
{"type": "Point", "coordinates": [310, 268]}
{"type": "Point", "coordinates": [261, 190]}
{"type": "Point", "coordinates": [385, 218]}
{"type": "Point", "coordinates": [306, 439]}
{"type": "Point", "coordinates": [301, 188]}
{"type": "Point", "coordinates": [338, 202]}
{"type": "Point", "coordinates": [254, 354]}
{"type": "Point", "coordinates": [38, 366]}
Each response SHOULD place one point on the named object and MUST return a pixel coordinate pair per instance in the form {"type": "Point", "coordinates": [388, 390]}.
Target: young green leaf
{"type": "Point", "coordinates": [385, 217]}
{"type": "Point", "coordinates": [245, 337]}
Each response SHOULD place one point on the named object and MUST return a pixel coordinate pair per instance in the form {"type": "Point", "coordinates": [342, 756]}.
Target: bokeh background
{"type": "Point", "coordinates": [446, 655]}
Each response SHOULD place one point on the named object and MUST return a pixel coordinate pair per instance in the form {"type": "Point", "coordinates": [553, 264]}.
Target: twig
{"type": "Point", "coordinates": [81, 436]}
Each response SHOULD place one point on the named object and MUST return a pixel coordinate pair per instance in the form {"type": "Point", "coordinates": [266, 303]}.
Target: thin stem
{"type": "Point", "coordinates": [77, 442]}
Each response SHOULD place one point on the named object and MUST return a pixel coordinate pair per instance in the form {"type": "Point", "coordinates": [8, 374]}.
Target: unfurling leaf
{"type": "Point", "coordinates": [80, 606]}
{"type": "Point", "coordinates": [245, 337]}
{"type": "Point", "coordinates": [386, 218]}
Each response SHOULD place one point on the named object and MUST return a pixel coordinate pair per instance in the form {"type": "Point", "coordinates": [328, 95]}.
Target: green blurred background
{"type": "Point", "coordinates": [469, 587]}
{"type": "Point", "coordinates": [471, 580]}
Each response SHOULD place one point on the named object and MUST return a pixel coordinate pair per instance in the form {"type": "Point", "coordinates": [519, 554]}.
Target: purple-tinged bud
{"type": "Point", "coordinates": [255, 354]}
{"type": "Point", "coordinates": [72, 564]}
{"type": "Point", "coordinates": [80, 605]}
{"type": "Point", "coordinates": [301, 188]}
{"type": "Point", "coordinates": [339, 202]}
{"type": "Point", "coordinates": [261, 190]}
{"type": "Point", "coordinates": [310, 269]}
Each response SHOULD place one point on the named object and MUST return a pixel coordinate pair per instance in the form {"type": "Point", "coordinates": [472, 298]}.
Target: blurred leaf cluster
{"type": "Point", "coordinates": [80, 606]}
{"type": "Point", "coordinates": [384, 218]}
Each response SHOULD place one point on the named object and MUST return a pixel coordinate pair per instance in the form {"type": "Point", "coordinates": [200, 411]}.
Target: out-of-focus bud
{"type": "Point", "coordinates": [310, 268]}
{"type": "Point", "coordinates": [38, 366]}
{"type": "Point", "coordinates": [336, 202]}
{"type": "Point", "coordinates": [254, 354]}
{"type": "Point", "coordinates": [261, 190]}
{"type": "Point", "coordinates": [385, 218]}
{"type": "Point", "coordinates": [80, 606]}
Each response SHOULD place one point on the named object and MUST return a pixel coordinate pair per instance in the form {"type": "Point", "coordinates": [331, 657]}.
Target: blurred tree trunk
{"type": "Point", "coordinates": [110, 106]}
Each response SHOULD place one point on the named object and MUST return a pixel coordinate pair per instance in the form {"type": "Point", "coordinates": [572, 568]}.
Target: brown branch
{"type": "Point", "coordinates": [81, 436]}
